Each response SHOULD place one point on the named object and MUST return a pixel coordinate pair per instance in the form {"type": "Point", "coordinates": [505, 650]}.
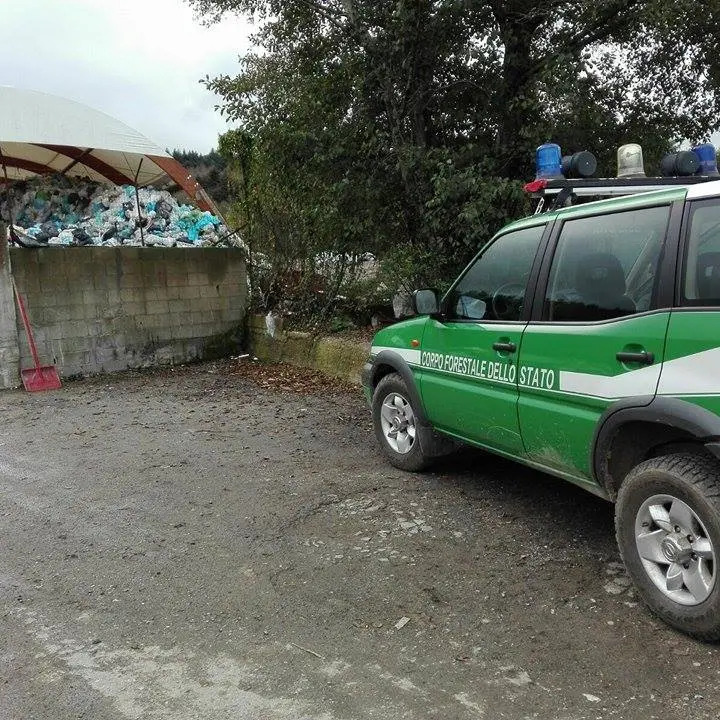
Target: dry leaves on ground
{"type": "Point", "coordinates": [283, 377]}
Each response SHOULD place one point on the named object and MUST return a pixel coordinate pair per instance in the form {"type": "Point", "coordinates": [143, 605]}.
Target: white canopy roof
{"type": "Point", "coordinates": [42, 134]}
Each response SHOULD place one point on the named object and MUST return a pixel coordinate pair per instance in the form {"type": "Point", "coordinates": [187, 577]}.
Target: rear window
{"type": "Point", "coordinates": [701, 274]}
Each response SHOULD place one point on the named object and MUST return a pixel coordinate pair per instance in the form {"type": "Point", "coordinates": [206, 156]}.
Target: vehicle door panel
{"type": "Point", "coordinates": [469, 356]}
{"type": "Point", "coordinates": [692, 358]}
{"type": "Point", "coordinates": [599, 336]}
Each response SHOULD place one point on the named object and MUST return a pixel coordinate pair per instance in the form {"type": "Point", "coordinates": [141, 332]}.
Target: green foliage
{"type": "Point", "coordinates": [209, 170]}
{"type": "Point", "coordinates": [406, 128]}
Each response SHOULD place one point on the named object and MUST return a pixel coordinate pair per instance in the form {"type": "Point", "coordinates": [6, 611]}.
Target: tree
{"type": "Point", "coordinates": [210, 170]}
{"type": "Point", "coordinates": [406, 128]}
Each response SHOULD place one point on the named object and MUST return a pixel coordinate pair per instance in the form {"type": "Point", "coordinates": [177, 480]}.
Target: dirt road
{"type": "Point", "coordinates": [188, 544]}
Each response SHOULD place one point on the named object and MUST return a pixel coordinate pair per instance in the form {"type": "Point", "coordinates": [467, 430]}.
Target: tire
{"type": "Point", "coordinates": [667, 523]}
{"type": "Point", "coordinates": [395, 422]}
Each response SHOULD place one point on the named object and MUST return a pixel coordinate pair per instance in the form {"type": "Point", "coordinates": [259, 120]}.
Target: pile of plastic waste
{"type": "Point", "coordinates": [56, 210]}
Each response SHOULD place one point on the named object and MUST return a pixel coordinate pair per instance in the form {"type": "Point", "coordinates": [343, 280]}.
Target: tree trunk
{"type": "Point", "coordinates": [518, 99]}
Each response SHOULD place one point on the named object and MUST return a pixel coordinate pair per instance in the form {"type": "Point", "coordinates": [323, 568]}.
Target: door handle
{"type": "Point", "coordinates": [510, 347]}
{"type": "Point", "coordinates": [644, 357]}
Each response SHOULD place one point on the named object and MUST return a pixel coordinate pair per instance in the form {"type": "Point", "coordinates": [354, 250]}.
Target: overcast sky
{"type": "Point", "coordinates": [137, 60]}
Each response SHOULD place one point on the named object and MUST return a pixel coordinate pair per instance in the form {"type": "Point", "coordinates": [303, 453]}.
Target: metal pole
{"type": "Point", "coordinates": [137, 200]}
{"type": "Point", "coordinates": [7, 185]}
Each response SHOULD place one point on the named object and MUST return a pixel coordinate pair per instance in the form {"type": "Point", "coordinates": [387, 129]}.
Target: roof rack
{"type": "Point", "coordinates": [564, 191]}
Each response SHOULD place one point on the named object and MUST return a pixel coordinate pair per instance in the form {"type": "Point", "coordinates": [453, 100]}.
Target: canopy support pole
{"type": "Point", "coordinates": [137, 200]}
{"type": "Point", "coordinates": [9, 188]}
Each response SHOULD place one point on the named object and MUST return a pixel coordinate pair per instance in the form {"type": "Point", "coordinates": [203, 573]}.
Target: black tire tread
{"type": "Point", "coordinates": [697, 470]}
{"type": "Point", "coordinates": [702, 474]}
{"type": "Point", "coordinates": [414, 461]}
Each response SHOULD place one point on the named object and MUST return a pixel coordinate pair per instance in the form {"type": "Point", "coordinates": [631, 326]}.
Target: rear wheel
{"type": "Point", "coordinates": [395, 424]}
{"type": "Point", "coordinates": [667, 521]}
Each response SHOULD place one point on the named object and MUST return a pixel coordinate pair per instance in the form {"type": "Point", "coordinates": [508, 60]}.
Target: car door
{"type": "Point", "coordinates": [598, 330]}
{"type": "Point", "coordinates": [468, 376]}
{"type": "Point", "coordinates": [692, 357]}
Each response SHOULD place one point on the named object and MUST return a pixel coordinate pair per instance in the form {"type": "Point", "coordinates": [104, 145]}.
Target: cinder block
{"type": "Point", "coordinates": [147, 272]}
{"type": "Point", "coordinates": [159, 273]}
{"type": "Point", "coordinates": [28, 284]}
{"type": "Point", "coordinates": [55, 298]}
{"type": "Point", "coordinates": [99, 282]}
{"type": "Point", "coordinates": [91, 296]}
{"type": "Point", "coordinates": [19, 272]}
{"type": "Point", "coordinates": [21, 256]}
{"type": "Point", "coordinates": [129, 295]}
{"type": "Point", "coordinates": [81, 262]}
{"type": "Point", "coordinates": [78, 345]}
{"type": "Point", "coordinates": [134, 308]}
{"type": "Point", "coordinates": [180, 317]}
{"type": "Point", "coordinates": [172, 293]}
{"type": "Point", "coordinates": [113, 295]}
{"type": "Point", "coordinates": [88, 312]}
{"type": "Point", "coordinates": [191, 293]}
{"type": "Point", "coordinates": [130, 255]}
{"type": "Point", "coordinates": [208, 291]}
{"type": "Point", "coordinates": [197, 278]}
{"type": "Point", "coordinates": [49, 256]}
{"type": "Point", "coordinates": [203, 304]}
{"type": "Point", "coordinates": [177, 278]}
{"type": "Point", "coordinates": [158, 307]}
{"type": "Point", "coordinates": [53, 284]}
{"type": "Point", "coordinates": [134, 280]}
{"type": "Point", "coordinates": [182, 304]}
{"type": "Point", "coordinates": [165, 334]}
{"type": "Point", "coordinates": [73, 328]}
{"type": "Point", "coordinates": [42, 315]}
{"type": "Point", "coordinates": [149, 294]}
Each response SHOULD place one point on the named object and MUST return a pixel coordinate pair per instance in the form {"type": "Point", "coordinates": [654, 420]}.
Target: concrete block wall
{"type": "Point", "coordinates": [98, 309]}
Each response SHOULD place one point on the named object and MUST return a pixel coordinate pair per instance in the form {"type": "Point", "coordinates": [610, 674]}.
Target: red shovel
{"type": "Point", "coordinates": [41, 377]}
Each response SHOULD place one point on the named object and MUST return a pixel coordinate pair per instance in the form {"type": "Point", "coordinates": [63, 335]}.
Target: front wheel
{"type": "Point", "coordinates": [667, 521]}
{"type": "Point", "coordinates": [395, 424]}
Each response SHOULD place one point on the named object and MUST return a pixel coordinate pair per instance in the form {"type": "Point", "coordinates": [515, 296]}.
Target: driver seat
{"type": "Point", "coordinates": [600, 281]}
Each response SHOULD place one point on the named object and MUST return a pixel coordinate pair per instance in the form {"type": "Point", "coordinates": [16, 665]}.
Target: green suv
{"type": "Point", "coordinates": [584, 342]}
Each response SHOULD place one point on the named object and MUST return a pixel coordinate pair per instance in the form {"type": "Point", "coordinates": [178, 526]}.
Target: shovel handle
{"type": "Point", "coordinates": [26, 323]}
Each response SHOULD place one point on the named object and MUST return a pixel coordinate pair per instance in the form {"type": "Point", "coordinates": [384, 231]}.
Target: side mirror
{"type": "Point", "coordinates": [426, 302]}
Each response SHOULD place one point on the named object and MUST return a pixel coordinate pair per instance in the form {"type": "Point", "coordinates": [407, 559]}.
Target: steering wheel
{"type": "Point", "coordinates": [507, 301]}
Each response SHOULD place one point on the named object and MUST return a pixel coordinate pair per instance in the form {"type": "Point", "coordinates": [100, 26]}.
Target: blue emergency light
{"type": "Point", "coordinates": [708, 159]}
{"type": "Point", "coordinates": [548, 161]}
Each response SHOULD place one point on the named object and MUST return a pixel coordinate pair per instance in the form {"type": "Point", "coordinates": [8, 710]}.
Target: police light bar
{"type": "Point", "coordinates": [606, 187]}
{"type": "Point", "coordinates": [683, 168]}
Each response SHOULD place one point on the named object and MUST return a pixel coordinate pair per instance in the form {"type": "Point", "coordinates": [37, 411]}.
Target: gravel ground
{"type": "Point", "coordinates": [196, 544]}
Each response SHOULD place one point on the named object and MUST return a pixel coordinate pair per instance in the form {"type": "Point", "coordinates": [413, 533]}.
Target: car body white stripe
{"type": "Point", "coordinates": [407, 354]}
{"type": "Point", "coordinates": [696, 374]}
{"type": "Point", "coordinates": [609, 387]}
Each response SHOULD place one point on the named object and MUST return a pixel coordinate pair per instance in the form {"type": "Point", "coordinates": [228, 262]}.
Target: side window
{"type": "Point", "coordinates": [605, 266]}
{"type": "Point", "coordinates": [701, 285]}
{"type": "Point", "coordinates": [493, 288]}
